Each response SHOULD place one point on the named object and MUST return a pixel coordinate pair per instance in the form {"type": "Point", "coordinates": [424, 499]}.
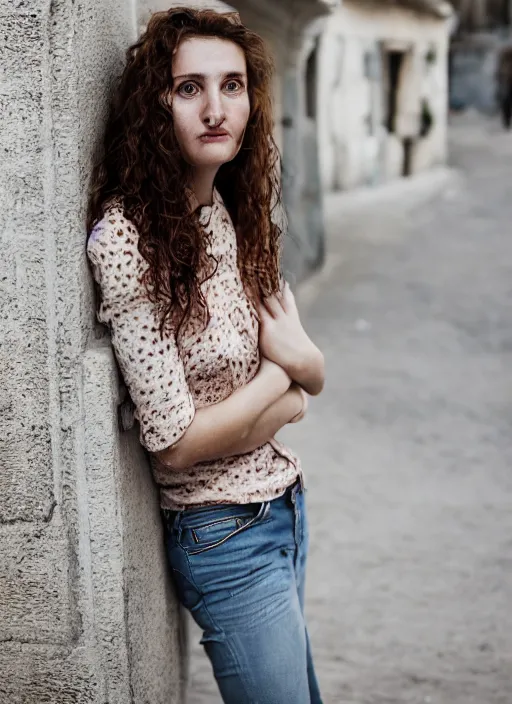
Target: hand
{"type": "Point", "coordinates": [282, 337]}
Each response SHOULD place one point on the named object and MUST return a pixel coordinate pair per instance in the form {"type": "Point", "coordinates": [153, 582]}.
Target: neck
{"type": "Point", "coordinates": [202, 185]}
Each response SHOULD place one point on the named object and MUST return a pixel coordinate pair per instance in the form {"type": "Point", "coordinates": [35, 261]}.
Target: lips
{"type": "Point", "coordinates": [215, 133]}
{"type": "Point", "coordinates": [217, 136]}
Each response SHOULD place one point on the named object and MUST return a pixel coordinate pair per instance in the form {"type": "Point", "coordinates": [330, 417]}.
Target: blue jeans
{"type": "Point", "coordinates": [240, 570]}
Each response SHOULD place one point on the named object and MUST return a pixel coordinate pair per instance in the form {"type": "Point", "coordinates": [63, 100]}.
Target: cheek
{"type": "Point", "coordinates": [184, 120]}
{"type": "Point", "coordinates": [240, 116]}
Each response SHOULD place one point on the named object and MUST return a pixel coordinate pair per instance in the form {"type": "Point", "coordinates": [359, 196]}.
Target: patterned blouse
{"type": "Point", "coordinates": [167, 384]}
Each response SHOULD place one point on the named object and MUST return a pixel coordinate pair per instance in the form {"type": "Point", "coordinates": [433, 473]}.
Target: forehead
{"type": "Point", "coordinates": [210, 56]}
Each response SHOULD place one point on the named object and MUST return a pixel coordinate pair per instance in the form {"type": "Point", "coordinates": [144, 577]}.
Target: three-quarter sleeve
{"type": "Point", "coordinates": [151, 367]}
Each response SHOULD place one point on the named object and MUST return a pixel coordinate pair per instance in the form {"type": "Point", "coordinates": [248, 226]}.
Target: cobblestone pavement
{"type": "Point", "coordinates": [408, 452]}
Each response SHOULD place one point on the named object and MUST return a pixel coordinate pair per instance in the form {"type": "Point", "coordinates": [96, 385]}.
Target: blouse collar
{"type": "Point", "coordinates": [206, 211]}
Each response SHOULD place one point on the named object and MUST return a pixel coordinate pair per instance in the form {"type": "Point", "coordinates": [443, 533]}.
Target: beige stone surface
{"type": "Point", "coordinates": [87, 613]}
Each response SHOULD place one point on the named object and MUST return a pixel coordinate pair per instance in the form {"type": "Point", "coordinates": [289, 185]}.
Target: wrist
{"type": "Point", "coordinates": [301, 365]}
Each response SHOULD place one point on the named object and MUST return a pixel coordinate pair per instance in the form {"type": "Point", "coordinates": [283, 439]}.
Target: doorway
{"type": "Point", "coordinates": [394, 64]}
{"type": "Point", "coordinates": [399, 101]}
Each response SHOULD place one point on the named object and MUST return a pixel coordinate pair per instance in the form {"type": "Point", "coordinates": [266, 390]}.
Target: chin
{"type": "Point", "coordinates": [213, 157]}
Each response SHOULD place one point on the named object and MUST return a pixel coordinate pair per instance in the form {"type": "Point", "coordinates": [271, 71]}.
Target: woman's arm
{"type": "Point", "coordinates": [284, 341]}
{"type": "Point", "coordinates": [245, 420]}
{"type": "Point", "coordinates": [290, 408]}
{"type": "Point", "coordinates": [308, 370]}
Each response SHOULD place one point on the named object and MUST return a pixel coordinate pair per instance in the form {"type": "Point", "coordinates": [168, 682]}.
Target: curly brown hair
{"type": "Point", "coordinates": [142, 165]}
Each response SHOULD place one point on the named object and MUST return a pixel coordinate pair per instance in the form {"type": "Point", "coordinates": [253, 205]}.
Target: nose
{"type": "Point", "coordinates": [213, 112]}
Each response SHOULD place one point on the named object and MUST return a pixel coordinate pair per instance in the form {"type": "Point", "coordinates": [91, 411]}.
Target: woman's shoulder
{"type": "Point", "coordinates": [113, 232]}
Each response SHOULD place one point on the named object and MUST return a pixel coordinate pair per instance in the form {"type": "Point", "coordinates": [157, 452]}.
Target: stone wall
{"type": "Point", "coordinates": [85, 615]}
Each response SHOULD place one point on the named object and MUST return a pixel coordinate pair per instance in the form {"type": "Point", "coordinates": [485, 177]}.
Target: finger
{"type": "Point", "coordinates": [288, 299]}
{"type": "Point", "coordinates": [273, 305]}
{"type": "Point", "coordinates": [305, 401]}
{"type": "Point", "coordinates": [261, 311]}
{"type": "Point", "coordinates": [263, 314]}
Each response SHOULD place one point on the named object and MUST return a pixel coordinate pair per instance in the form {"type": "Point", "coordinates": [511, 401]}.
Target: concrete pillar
{"type": "Point", "coordinates": [87, 613]}
{"type": "Point", "coordinates": [301, 183]}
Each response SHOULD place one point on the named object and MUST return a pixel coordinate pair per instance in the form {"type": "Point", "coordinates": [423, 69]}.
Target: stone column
{"type": "Point", "coordinates": [86, 609]}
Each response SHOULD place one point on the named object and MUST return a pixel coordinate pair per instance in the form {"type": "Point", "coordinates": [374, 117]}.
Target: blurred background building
{"type": "Point", "coordinates": [382, 103]}
{"type": "Point", "coordinates": [481, 30]}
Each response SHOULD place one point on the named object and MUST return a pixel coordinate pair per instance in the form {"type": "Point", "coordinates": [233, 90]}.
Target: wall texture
{"type": "Point", "coordinates": [85, 616]}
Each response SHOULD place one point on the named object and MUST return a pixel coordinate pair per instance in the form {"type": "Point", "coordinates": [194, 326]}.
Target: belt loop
{"type": "Point", "coordinates": [298, 485]}
{"type": "Point", "coordinates": [176, 522]}
{"type": "Point", "coordinates": [171, 519]}
{"type": "Point", "coordinates": [297, 521]}
{"type": "Point", "coordinates": [264, 510]}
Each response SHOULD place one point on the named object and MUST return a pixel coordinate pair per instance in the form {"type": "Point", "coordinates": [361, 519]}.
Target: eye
{"type": "Point", "coordinates": [232, 86]}
{"type": "Point", "coordinates": [187, 89]}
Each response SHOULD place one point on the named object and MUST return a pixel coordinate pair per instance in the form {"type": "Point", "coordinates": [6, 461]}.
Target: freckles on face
{"type": "Point", "coordinates": [209, 92]}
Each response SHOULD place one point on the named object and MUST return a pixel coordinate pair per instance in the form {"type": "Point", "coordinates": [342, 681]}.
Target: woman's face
{"type": "Point", "coordinates": [209, 96]}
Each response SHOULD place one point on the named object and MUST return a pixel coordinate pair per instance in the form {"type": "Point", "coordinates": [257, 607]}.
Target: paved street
{"type": "Point", "coordinates": [408, 452]}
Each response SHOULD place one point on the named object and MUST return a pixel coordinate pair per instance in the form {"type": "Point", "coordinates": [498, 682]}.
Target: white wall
{"type": "Point", "coordinates": [354, 147]}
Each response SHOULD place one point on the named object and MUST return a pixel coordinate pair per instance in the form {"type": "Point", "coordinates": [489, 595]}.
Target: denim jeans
{"type": "Point", "coordinates": [240, 570]}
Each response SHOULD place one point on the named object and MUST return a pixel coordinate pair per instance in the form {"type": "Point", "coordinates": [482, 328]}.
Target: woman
{"type": "Point", "coordinates": [185, 247]}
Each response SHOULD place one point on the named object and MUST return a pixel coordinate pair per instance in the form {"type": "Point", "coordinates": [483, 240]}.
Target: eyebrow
{"type": "Point", "coordinates": [202, 76]}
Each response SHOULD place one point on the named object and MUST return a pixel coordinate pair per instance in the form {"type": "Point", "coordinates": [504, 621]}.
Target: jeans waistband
{"type": "Point", "coordinates": [290, 492]}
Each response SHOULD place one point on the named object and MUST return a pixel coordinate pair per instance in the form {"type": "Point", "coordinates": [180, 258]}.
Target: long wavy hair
{"type": "Point", "coordinates": [142, 166]}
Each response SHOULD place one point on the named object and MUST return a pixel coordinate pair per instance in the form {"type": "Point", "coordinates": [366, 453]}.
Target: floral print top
{"type": "Point", "coordinates": [166, 383]}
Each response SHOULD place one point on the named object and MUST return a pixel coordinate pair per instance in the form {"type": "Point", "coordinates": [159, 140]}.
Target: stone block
{"type": "Point", "coordinates": [31, 675]}
{"type": "Point", "coordinates": [34, 585]}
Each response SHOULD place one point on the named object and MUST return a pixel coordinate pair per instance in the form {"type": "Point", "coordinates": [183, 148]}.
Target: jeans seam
{"type": "Point", "coordinates": [219, 630]}
{"type": "Point", "coordinates": [192, 580]}
{"type": "Point", "coordinates": [241, 674]}
{"type": "Point", "coordinates": [219, 520]}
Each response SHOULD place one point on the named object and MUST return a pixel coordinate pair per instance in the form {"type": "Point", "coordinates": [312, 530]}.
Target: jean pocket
{"type": "Point", "coordinates": [204, 531]}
